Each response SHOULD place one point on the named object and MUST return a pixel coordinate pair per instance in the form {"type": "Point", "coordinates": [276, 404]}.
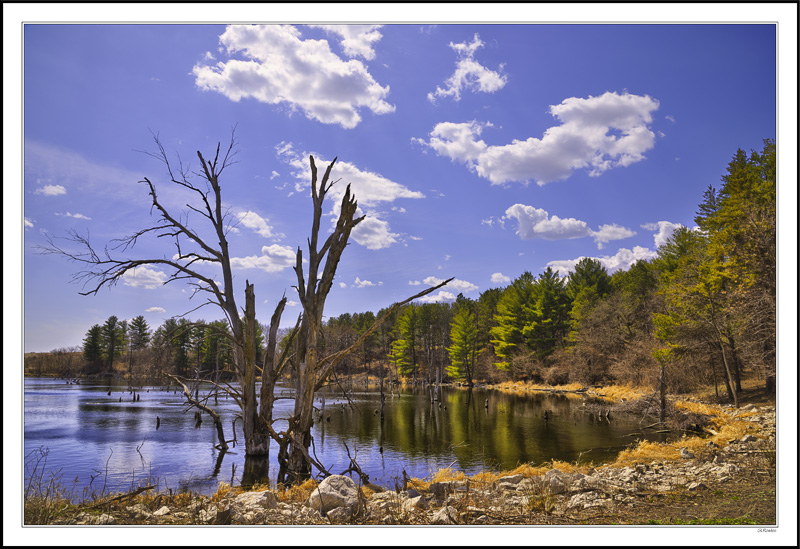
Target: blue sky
{"type": "Point", "coordinates": [448, 178]}
{"type": "Point", "coordinates": [476, 151]}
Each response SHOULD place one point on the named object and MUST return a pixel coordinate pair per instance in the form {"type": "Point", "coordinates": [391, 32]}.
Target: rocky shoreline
{"type": "Point", "coordinates": [618, 493]}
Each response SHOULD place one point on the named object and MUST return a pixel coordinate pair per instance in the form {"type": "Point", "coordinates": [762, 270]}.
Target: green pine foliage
{"type": "Point", "coordinates": [463, 349]}
{"type": "Point", "coordinates": [704, 308]}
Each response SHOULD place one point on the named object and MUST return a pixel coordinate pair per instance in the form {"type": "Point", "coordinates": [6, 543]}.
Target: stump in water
{"type": "Point", "coordinates": [158, 422]}
{"type": "Point", "coordinates": [198, 419]}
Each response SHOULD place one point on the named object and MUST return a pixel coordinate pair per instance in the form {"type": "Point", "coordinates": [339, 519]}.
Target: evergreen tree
{"type": "Point", "coordinates": [113, 341]}
{"type": "Point", "coordinates": [551, 307]}
{"type": "Point", "coordinates": [405, 348]}
{"type": "Point", "coordinates": [139, 333]}
{"type": "Point", "coordinates": [464, 347]}
{"type": "Point", "coordinates": [93, 349]}
{"type": "Point", "coordinates": [514, 313]}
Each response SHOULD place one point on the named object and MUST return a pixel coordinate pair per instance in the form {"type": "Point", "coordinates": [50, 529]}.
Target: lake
{"type": "Point", "coordinates": [98, 441]}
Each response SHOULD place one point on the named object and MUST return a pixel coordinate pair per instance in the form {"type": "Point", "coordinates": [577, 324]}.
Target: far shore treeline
{"type": "Point", "coordinates": [703, 310]}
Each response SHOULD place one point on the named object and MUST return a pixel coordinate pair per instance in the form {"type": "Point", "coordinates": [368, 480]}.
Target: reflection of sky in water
{"type": "Point", "coordinates": [93, 434]}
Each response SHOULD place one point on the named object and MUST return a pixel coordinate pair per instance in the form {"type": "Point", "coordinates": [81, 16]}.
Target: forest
{"type": "Point", "coordinates": [703, 312]}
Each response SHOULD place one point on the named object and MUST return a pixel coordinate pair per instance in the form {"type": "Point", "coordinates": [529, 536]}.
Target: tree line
{"type": "Point", "coordinates": [703, 309]}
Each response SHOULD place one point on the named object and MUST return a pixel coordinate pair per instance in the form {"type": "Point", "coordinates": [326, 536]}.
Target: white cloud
{"type": "Point", "coordinates": [253, 221]}
{"type": "Point", "coordinates": [51, 190]}
{"type": "Point", "coordinates": [441, 297]}
{"type": "Point", "coordinates": [414, 282]}
{"type": "Point", "coordinates": [622, 260]}
{"type": "Point", "coordinates": [469, 74]}
{"type": "Point", "coordinates": [500, 278]}
{"type": "Point", "coordinates": [28, 223]}
{"type": "Point", "coordinates": [76, 215]}
{"type": "Point", "coordinates": [365, 283]}
{"type": "Point", "coordinates": [607, 233]}
{"type": "Point", "coordinates": [373, 233]}
{"type": "Point", "coordinates": [670, 118]}
{"type": "Point", "coordinates": [155, 310]}
{"type": "Point", "coordinates": [282, 68]}
{"type": "Point", "coordinates": [596, 133]}
{"type": "Point", "coordinates": [664, 230]}
{"type": "Point", "coordinates": [342, 284]}
{"type": "Point", "coordinates": [144, 277]}
{"type": "Point", "coordinates": [537, 223]}
{"type": "Point", "coordinates": [368, 187]}
{"type": "Point", "coordinates": [273, 259]}
{"type": "Point", "coordinates": [357, 40]}
{"type": "Point", "coordinates": [274, 174]}
{"type": "Point", "coordinates": [457, 141]}
{"type": "Point", "coordinates": [291, 303]}
{"type": "Point", "coordinates": [455, 284]}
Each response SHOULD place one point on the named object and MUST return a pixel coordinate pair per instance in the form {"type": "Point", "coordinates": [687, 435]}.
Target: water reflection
{"type": "Point", "coordinates": [89, 431]}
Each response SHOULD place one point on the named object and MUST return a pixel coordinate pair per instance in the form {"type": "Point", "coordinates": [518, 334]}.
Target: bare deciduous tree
{"type": "Point", "coordinates": [194, 251]}
{"type": "Point", "coordinates": [311, 369]}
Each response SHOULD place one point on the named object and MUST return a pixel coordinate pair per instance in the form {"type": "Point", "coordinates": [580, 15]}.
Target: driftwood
{"type": "Point", "coordinates": [223, 445]}
{"type": "Point", "coordinates": [123, 496]}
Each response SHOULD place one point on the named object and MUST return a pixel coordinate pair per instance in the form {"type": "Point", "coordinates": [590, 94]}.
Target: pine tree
{"type": "Point", "coordinates": [113, 341]}
{"type": "Point", "coordinates": [406, 347]}
{"type": "Point", "coordinates": [93, 348]}
{"type": "Point", "coordinates": [464, 346]}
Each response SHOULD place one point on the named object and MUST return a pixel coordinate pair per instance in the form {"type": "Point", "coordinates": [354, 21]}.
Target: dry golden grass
{"type": "Point", "coordinates": [647, 451]}
{"type": "Point", "coordinates": [297, 493]}
{"type": "Point", "coordinates": [447, 474]}
{"type": "Point", "coordinates": [519, 387]}
{"type": "Point", "coordinates": [618, 393]}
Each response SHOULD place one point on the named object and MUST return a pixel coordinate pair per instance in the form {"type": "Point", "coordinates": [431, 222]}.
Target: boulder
{"type": "Point", "coordinates": [161, 512]}
{"type": "Point", "coordinates": [415, 503]}
{"type": "Point", "coordinates": [513, 479]}
{"type": "Point", "coordinates": [334, 492]}
{"type": "Point", "coordinates": [139, 511]}
{"type": "Point", "coordinates": [440, 490]}
{"type": "Point", "coordinates": [555, 481]}
{"type": "Point", "coordinates": [207, 515]}
{"type": "Point", "coordinates": [445, 515]}
{"type": "Point", "coordinates": [244, 502]}
{"type": "Point", "coordinates": [339, 515]}
{"type": "Point", "coordinates": [104, 519]}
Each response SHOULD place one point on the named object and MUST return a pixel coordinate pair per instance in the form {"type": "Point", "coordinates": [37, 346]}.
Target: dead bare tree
{"type": "Point", "coordinates": [311, 369]}
{"type": "Point", "coordinates": [192, 251]}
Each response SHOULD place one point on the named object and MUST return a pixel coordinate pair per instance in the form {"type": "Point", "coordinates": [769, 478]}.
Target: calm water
{"type": "Point", "coordinates": [95, 439]}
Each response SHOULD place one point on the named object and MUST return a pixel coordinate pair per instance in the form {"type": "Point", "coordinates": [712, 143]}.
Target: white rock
{"type": "Point", "coordinates": [161, 512]}
{"type": "Point", "coordinates": [335, 491]}
{"type": "Point", "coordinates": [445, 515]}
{"type": "Point", "coordinates": [415, 503]}
{"type": "Point", "coordinates": [265, 499]}
{"type": "Point", "coordinates": [513, 479]}
{"type": "Point", "coordinates": [105, 519]}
